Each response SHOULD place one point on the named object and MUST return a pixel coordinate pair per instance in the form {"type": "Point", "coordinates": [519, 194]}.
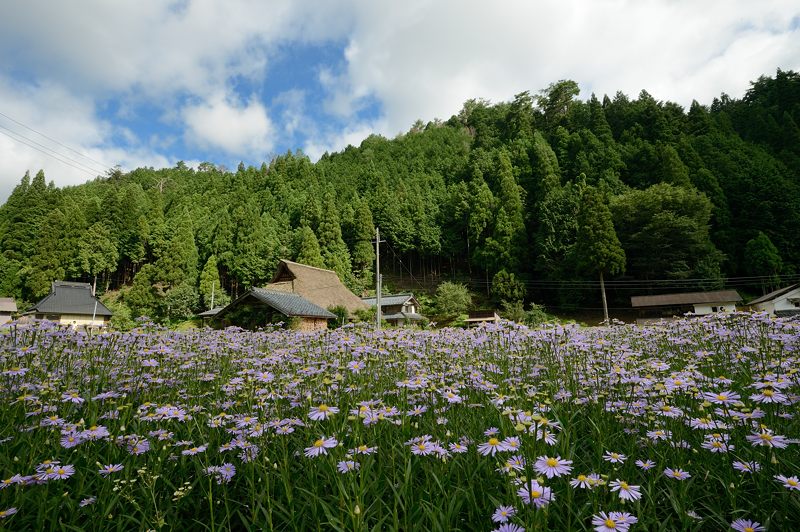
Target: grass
{"type": "Point", "coordinates": [576, 393]}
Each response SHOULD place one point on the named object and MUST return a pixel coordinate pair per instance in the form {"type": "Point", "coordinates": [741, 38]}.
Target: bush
{"type": "Point", "coordinates": [452, 299]}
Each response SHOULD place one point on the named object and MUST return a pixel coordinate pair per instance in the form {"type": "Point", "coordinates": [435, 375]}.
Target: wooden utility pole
{"type": "Point", "coordinates": [378, 278]}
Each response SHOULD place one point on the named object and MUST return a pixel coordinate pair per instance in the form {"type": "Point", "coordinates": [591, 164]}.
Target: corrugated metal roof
{"type": "Point", "coordinates": [70, 298]}
{"type": "Point", "coordinates": [774, 294]}
{"type": "Point", "coordinates": [396, 299]}
{"type": "Point", "coordinates": [403, 316]}
{"type": "Point", "coordinates": [210, 313]}
{"type": "Point", "coordinates": [687, 298]}
{"type": "Point", "coordinates": [290, 304]}
{"type": "Point", "coordinates": [7, 304]}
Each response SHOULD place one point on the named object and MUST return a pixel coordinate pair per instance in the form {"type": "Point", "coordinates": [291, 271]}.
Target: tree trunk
{"type": "Point", "coordinates": [605, 303]}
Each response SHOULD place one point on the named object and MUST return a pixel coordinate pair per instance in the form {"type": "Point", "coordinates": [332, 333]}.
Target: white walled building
{"type": "Point", "coordinates": [782, 302]}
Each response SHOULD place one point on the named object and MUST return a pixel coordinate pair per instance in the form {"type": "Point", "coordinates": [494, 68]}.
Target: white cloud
{"type": "Point", "coordinates": [223, 123]}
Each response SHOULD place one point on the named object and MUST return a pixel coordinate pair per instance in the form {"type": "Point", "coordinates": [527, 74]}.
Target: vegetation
{"type": "Point", "coordinates": [491, 197]}
{"type": "Point", "coordinates": [690, 426]}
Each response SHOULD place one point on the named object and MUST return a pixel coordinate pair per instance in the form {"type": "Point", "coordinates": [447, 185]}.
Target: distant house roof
{"type": "Point", "coordinates": [70, 298]}
{"type": "Point", "coordinates": [687, 298]}
{"type": "Point", "coordinates": [7, 304]}
{"type": "Point", "coordinates": [210, 313]}
{"type": "Point", "coordinates": [317, 285]}
{"type": "Point", "coordinates": [774, 294]}
{"type": "Point", "coordinates": [287, 303]}
{"type": "Point", "coordinates": [389, 300]}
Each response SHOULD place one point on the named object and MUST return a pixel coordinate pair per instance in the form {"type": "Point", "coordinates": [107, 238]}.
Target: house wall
{"type": "Point", "coordinates": [5, 317]}
{"type": "Point", "coordinates": [313, 324]}
{"type": "Point", "coordinates": [708, 308]}
{"type": "Point", "coordinates": [780, 303]}
{"type": "Point", "coordinates": [82, 320]}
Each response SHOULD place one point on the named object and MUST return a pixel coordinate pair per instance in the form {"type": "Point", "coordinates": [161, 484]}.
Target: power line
{"type": "Point", "coordinates": [83, 169]}
{"type": "Point", "coordinates": [103, 165]}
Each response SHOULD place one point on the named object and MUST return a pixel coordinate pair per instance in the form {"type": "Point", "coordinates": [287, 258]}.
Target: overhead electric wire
{"type": "Point", "coordinates": [50, 152]}
{"type": "Point", "coordinates": [102, 165]}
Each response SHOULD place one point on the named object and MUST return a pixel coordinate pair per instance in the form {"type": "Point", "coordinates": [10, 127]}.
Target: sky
{"type": "Point", "coordinates": [87, 86]}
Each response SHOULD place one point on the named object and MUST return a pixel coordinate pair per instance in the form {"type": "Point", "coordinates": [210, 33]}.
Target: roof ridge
{"type": "Point", "coordinates": [307, 266]}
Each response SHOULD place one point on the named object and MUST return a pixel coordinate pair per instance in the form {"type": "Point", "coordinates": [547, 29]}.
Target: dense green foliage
{"type": "Point", "coordinates": [496, 188]}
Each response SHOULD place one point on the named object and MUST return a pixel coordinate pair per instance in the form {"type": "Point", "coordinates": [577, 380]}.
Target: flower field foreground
{"type": "Point", "coordinates": [690, 425]}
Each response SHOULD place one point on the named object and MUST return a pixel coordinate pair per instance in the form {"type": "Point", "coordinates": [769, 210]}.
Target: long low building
{"type": "Point", "coordinates": [71, 304]}
{"type": "Point", "coordinates": [698, 303]}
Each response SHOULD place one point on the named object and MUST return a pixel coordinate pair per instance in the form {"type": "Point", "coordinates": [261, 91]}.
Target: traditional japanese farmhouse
{"type": "Point", "coordinates": [398, 309]}
{"type": "Point", "coordinates": [298, 293]}
{"type": "Point", "coordinates": [317, 285]}
{"type": "Point", "coordinates": [7, 307]}
{"type": "Point", "coordinates": [783, 302]}
{"type": "Point", "coordinates": [697, 303]}
{"type": "Point", "coordinates": [259, 307]}
{"type": "Point", "coordinates": [71, 304]}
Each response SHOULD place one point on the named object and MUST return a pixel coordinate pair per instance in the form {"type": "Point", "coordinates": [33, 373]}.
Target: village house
{"type": "Point", "coordinates": [696, 303]}
{"type": "Point", "coordinates": [398, 309]}
{"type": "Point", "coordinates": [782, 303]}
{"type": "Point", "coordinates": [7, 307]}
{"type": "Point", "coordinates": [259, 307]}
{"type": "Point", "coordinates": [71, 304]}
{"type": "Point", "coordinates": [298, 294]}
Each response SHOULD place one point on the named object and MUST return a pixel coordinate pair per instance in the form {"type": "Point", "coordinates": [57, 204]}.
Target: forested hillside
{"type": "Point", "coordinates": [514, 198]}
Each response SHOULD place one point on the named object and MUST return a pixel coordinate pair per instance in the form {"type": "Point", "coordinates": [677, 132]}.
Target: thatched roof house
{"type": "Point", "coordinates": [259, 307]}
{"type": "Point", "coordinates": [71, 304]}
{"type": "Point", "coordinates": [319, 286]}
{"type": "Point", "coordinates": [7, 307]}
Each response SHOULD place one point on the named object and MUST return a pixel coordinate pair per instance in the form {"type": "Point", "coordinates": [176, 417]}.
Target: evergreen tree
{"type": "Point", "coordinates": [763, 260]}
{"type": "Point", "coordinates": [97, 252]}
{"type": "Point", "coordinates": [597, 248]}
{"type": "Point", "coordinates": [363, 249]}
{"type": "Point", "coordinates": [308, 248]}
{"type": "Point", "coordinates": [211, 291]}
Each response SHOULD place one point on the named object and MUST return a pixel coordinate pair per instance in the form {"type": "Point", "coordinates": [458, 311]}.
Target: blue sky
{"type": "Point", "coordinates": [91, 85]}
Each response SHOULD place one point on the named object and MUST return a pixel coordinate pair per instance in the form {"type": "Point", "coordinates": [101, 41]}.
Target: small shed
{"type": "Point", "coordinates": [783, 302]}
{"type": "Point", "coordinates": [398, 309]}
{"type": "Point", "coordinates": [698, 303]}
{"type": "Point", "coordinates": [7, 307]}
{"type": "Point", "coordinates": [476, 317]}
{"type": "Point", "coordinates": [259, 307]}
{"type": "Point", "coordinates": [71, 304]}
{"type": "Point", "coordinates": [209, 315]}
{"type": "Point", "coordinates": [319, 286]}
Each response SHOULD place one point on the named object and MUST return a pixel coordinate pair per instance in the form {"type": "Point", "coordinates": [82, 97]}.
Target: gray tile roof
{"type": "Point", "coordinates": [210, 313]}
{"type": "Point", "coordinates": [387, 301]}
{"type": "Point", "coordinates": [70, 298]}
{"type": "Point", "coordinates": [290, 304]}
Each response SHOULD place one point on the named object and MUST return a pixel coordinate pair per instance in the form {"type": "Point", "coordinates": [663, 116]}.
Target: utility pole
{"type": "Point", "coordinates": [378, 278]}
{"type": "Point", "coordinates": [213, 284]}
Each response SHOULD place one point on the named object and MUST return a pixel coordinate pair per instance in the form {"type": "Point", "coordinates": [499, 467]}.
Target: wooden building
{"type": "Point", "coordinates": [398, 309]}
{"type": "Point", "coordinates": [697, 303]}
{"type": "Point", "coordinates": [71, 304]}
{"type": "Point", "coordinates": [317, 285]}
{"type": "Point", "coordinates": [260, 307]}
{"type": "Point", "coordinates": [7, 307]}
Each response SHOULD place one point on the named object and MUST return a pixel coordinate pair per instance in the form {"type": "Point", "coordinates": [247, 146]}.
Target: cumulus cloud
{"type": "Point", "coordinates": [234, 127]}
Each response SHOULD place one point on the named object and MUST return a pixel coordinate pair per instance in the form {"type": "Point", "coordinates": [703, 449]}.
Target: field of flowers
{"type": "Point", "coordinates": [686, 426]}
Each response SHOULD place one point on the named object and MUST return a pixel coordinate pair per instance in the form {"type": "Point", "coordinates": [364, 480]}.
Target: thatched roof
{"type": "Point", "coordinates": [774, 295]}
{"type": "Point", "coordinates": [687, 298]}
{"type": "Point", "coordinates": [319, 286]}
{"type": "Point", "coordinates": [70, 298]}
{"type": "Point", "coordinates": [7, 304]}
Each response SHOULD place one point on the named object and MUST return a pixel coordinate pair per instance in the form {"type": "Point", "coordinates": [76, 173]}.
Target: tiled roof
{"type": "Point", "coordinates": [403, 316]}
{"type": "Point", "coordinates": [386, 301]}
{"type": "Point", "coordinates": [210, 313]}
{"type": "Point", "coordinates": [70, 298]}
{"type": "Point", "coordinates": [687, 298]}
{"type": "Point", "coordinates": [290, 304]}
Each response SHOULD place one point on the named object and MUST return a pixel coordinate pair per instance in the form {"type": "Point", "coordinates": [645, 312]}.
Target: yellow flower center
{"type": "Point", "coordinates": [722, 397]}
{"type": "Point", "coordinates": [792, 483]}
{"type": "Point", "coordinates": [536, 494]}
{"type": "Point", "coordinates": [319, 443]}
{"type": "Point", "coordinates": [769, 393]}
{"type": "Point", "coordinates": [322, 408]}
{"type": "Point", "coordinates": [552, 462]}
{"type": "Point", "coordinates": [610, 523]}
{"type": "Point", "coordinates": [749, 529]}
{"type": "Point", "coordinates": [494, 441]}
{"type": "Point", "coordinates": [624, 485]}
{"type": "Point", "coordinates": [581, 478]}
{"type": "Point", "coordinates": [766, 437]}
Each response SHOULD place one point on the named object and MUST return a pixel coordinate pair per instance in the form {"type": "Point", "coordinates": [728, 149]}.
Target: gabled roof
{"type": "Point", "coordinates": [390, 300]}
{"type": "Point", "coordinates": [686, 298]}
{"type": "Point", "coordinates": [210, 313]}
{"type": "Point", "coordinates": [774, 294]}
{"type": "Point", "coordinates": [317, 285]}
{"type": "Point", "coordinates": [70, 298]}
{"type": "Point", "coordinates": [287, 303]}
{"type": "Point", "coordinates": [7, 304]}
